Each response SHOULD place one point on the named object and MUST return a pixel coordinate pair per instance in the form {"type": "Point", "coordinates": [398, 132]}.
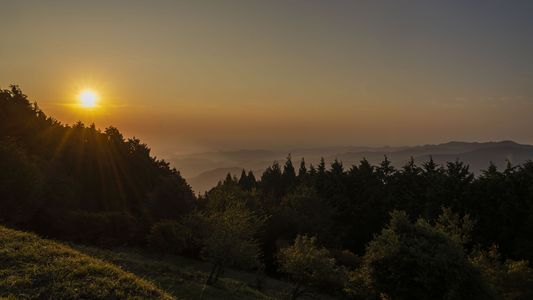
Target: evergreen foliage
{"type": "Point", "coordinates": [77, 182]}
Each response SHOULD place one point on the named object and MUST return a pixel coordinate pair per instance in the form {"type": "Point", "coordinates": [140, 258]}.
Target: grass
{"type": "Point", "coordinates": [35, 268]}
{"type": "Point", "coordinates": [185, 278]}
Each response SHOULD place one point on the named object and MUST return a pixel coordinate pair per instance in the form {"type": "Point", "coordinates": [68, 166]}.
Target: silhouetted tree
{"type": "Point", "coordinates": [81, 175]}
{"type": "Point", "coordinates": [289, 175]}
{"type": "Point", "coordinates": [302, 171]}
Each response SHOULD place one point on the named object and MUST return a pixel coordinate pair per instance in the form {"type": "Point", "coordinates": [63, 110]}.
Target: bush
{"type": "Point", "coordinates": [308, 265]}
{"type": "Point", "coordinates": [231, 240]}
{"type": "Point", "coordinates": [417, 261]}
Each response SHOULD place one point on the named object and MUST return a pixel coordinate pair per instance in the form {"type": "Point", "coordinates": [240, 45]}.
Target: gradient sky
{"type": "Point", "coordinates": [205, 75]}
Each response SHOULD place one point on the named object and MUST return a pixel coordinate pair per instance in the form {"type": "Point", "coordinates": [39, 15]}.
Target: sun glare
{"type": "Point", "coordinates": [88, 98]}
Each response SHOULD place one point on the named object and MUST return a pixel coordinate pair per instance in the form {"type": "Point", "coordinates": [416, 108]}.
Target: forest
{"type": "Point", "coordinates": [422, 231]}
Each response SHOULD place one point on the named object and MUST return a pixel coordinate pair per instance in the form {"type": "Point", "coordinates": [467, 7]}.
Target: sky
{"type": "Point", "coordinates": [187, 76]}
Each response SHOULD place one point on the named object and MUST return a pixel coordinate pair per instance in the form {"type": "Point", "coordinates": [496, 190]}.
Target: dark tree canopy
{"type": "Point", "coordinates": [80, 173]}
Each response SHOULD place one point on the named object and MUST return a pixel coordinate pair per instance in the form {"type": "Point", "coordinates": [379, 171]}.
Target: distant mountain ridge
{"type": "Point", "coordinates": [208, 179]}
{"type": "Point", "coordinates": [204, 170]}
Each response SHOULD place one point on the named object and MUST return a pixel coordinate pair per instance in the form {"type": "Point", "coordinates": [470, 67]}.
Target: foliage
{"type": "Point", "coordinates": [512, 280]}
{"type": "Point", "coordinates": [169, 237]}
{"type": "Point", "coordinates": [57, 179]}
{"type": "Point", "coordinates": [21, 185]}
{"type": "Point", "coordinates": [308, 265]}
{"type": "Point", "coordinates": [457, 228]}
{"type": "Point", "coordinates": [417, 261]}
{"type": "Point", "coordinates": [346, 207]}
{"type": "Point", "coordinates": [359, 285]}
{"type": "Point", "coordinates": [88, 185]}
{"type": "Point", "coordinates": [231, 240]}
{"type": "Point", "coordinates": [306, 213]}
{"type": "Point", "coordinates": [103, 229]}
{"type": "Point", "coordinates": [162, 200]}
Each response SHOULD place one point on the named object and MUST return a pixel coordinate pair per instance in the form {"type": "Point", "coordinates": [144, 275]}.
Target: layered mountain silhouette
{"type": "Point", "coordinates": [204, 170]}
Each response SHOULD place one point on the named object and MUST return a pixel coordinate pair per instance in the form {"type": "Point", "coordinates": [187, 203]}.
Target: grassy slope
{"type": "Point", "coordinates": [185, 278]}
{"type": "Point", "coordinates": [31, 267]}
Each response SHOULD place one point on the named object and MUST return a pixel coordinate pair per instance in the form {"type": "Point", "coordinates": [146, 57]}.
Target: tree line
{"type": "Point", "coordinates": [80, 183]}
{"type": "Point", "coordinates": [416, 232]}
{"type": "Point", "coordinates": [346, 207]}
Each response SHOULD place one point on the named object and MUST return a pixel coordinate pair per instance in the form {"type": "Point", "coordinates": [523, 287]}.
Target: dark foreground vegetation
{"type": "Point", "coordinates": [361, 232]}
{"type": "Point", "coordinates": [35, 268]}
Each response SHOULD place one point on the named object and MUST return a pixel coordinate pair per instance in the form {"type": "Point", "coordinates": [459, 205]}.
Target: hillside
{"type": "Point", "coordinates": [185, 278]}
{"type": "Point", "coordinates": [31, 267]}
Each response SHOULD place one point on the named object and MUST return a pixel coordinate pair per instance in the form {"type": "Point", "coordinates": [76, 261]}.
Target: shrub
{"type": "Point", "coordinates": [231, 240]}
{"type": "Point", "coordinates": [417, 261]}
{"type": "Point", "coordinates": [308, 265]}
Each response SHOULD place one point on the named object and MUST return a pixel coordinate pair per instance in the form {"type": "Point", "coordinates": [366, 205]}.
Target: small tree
{"type": "Point", "coordinates": [307, 265]}
{"type": "Point", "coordinates": [417, 261]}
{"type": "Point", "coordinates": [231, 239]}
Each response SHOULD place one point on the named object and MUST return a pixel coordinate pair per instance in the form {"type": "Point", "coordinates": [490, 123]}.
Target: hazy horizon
{"type": "Point", "coordinates": [188, 76]}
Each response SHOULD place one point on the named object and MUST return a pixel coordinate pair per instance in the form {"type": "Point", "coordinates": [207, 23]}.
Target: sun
{"type": "Point", "coordinates": [88, 98]}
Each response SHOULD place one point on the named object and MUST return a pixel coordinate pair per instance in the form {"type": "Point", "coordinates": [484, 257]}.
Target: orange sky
{"type": "Point", "coordinates": [193, 76]}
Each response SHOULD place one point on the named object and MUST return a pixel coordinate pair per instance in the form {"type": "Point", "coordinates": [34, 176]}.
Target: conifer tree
{"type": "Point", "coordinates": [302, 171]}
{"type": "Point", "coordinates": [289, 175]}
{"type": "Point", "coordinates": [251, 180]}
{"type": "Point", "coordinates": [385, 170]}
{"type": "Point", "coordinates": [243, 181]}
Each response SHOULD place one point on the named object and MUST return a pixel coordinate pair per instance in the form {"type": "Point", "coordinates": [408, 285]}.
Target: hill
{"type": "Point", "coordinates": [477, 155]}
{"type": "Point", "coordinates": [31, 267]}
{"type": "Point", "coordinates": [185, 278]}
{"type": "Point", "coordinates": [208, 179]}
